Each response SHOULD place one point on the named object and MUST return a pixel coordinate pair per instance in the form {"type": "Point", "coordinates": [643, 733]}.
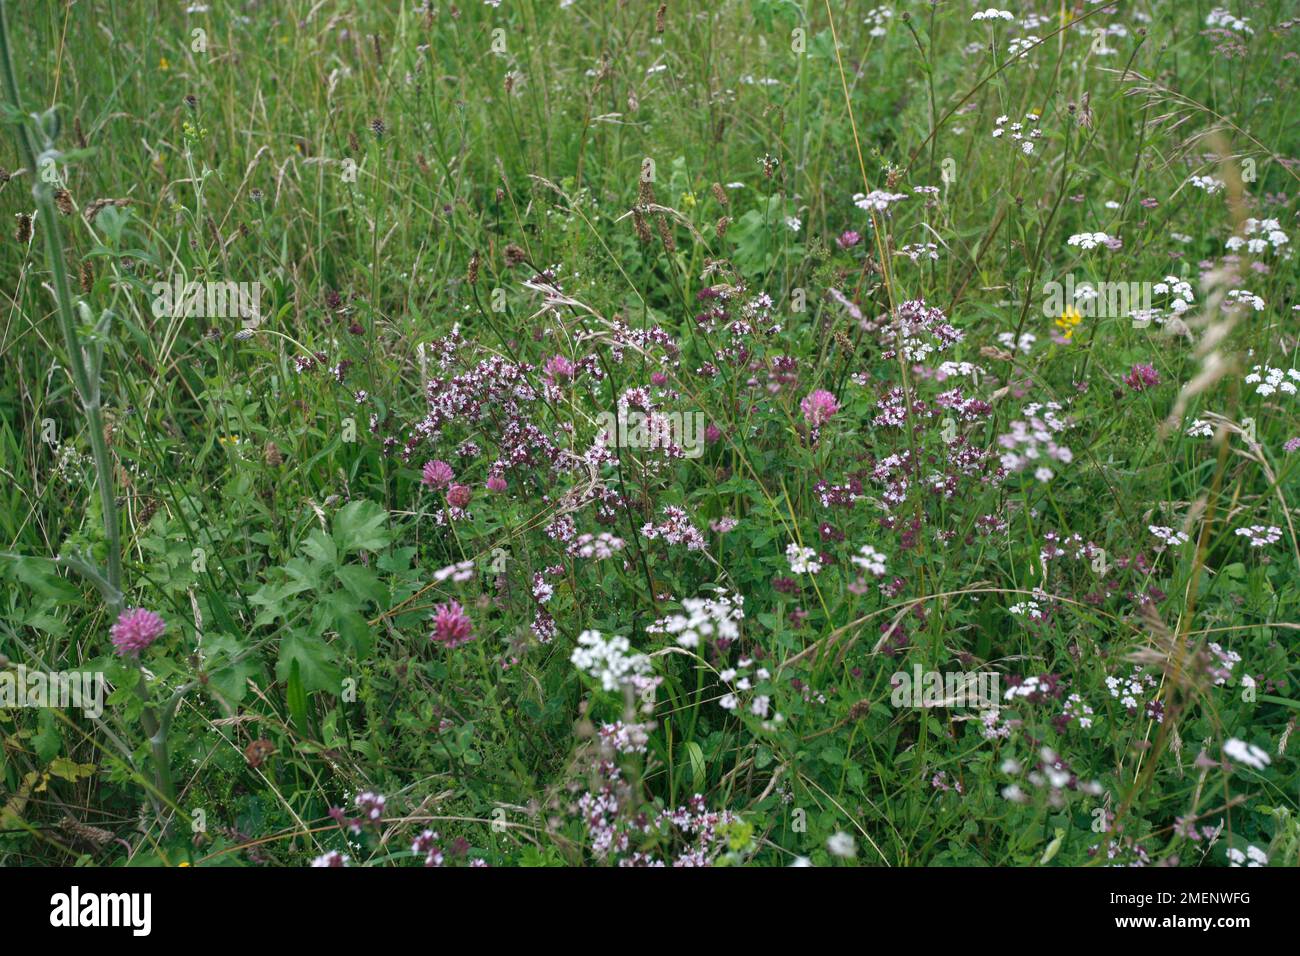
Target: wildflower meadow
{"type": "Point", "coordinates": [601, 433]}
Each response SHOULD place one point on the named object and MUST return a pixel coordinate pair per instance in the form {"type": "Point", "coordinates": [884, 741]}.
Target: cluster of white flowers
{"type": "Point", "coordinates": [958, 369]}
{"type": "Point", "coordinates": [69, 462]}
{"type": "Point", "coordinates": [1088, 240]}
{"type": "Point", "coordinates": [1200, 429]}
{"type": "Point", "coordinates": [991, 14]}
{"type": "Point", "coordinates": [1168, 536]}
{"type": "Point", "coordinates": [1243, 297]}
{"type": "Point", "coordinates": [1027, 688]}
{"type": "Point", "coordinates": [1261, 535]}
{"type": "Point", "coordinates": [1227, 660]}
{"type": "Point", "coordinates": [1073, 546]}
{"type": "Point", "coordinates": [1099, 45]}
{"type": "Point", "coordinates": [1260, 236]}
{"type": "Point", "coordinates": [708, 618]}
{"type": "Point", "coordinates": [1268, 380]}
{"type": "Point", "coordinates": [1077, 709]}
{"type": "Point", "coordinates": [741, 681]}
{"type": "Point", "coordinates": [842, 845]}
{"type": "Point", "coordinates": [877, 199]}
{"type": "Point", "coordinates": [1209, 184]}
{"type": "Point", "coordinates": [1019, 45]}
{"type": "Point", "coordinates": [1247, 753]}
{"type": "Point", "coordinates": [1085, 292]}
{"type": "Point", "coordinates": [608, 660]}
{"type": "Point", "coordinates": [876, 18]}
{"type": "Point", "coordinates": [459, 572]}
{"type": "Point", "coordinates": [1221, 17]}
{"type": "Point", "coordinates": [1014, 793]}
{"type": "Point", "coordinates": [1253, 856]}
{"type": "Point", "coordinates": [869, 559]}
{"type": "Point", "coordinates": [803, 560]}
{"type": "Point", "coordinates": [1026, 341]}
{"type": "Point", "coordinates": [1016, 130]}
{"type": "Point", "coordinates": [1130, 690]}
{"type": "Point", "coordinates": [1180, 289]}
{"type": "Point", "coordinates": [916, 251]}
{"type": "Point", "coordinates": [1052, 774]}
{"type": "Point", "coordinates": [1035, 612]}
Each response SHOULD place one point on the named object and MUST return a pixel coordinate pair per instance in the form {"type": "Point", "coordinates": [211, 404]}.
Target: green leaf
{"type": "Point", "coordinates": [70, 770]}
{"type": "Point", "coordinates": [361, 525]}
{"type": "Point", "coordinates": [397, 560]}
{"type": "Point", "coordinates": [41, 575]}
{"type": "Point", "coordinates": [228, 678]}
{"type": "Point", "coordinates": [316, 660]}
{"type": "Point", "coordinates": [296, 696]}
{"type": "Point", "coordinates": [47, 741]}
{"type": "Point", "coordinates": [1052, 848]}
{"type": "Point", "coordinates": [361, 583]}
{"type": "Point", "coordinates": [695, 756]}
{"type": "Point", "coordinates": [355, 629]}
{"type": "Point", "coordinates": [320, 547]}
{"type": "Point", "coordinates": [1284, 701]}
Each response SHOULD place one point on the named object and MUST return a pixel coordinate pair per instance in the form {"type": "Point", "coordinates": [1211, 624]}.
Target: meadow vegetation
{"type": "Point", "coordinates": [602, 433]}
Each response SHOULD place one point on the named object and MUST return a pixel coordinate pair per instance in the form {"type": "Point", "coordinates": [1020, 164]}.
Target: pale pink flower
{"type": "Point", "coordinates": [559, 367]}
{"type": "Point", "coordinates": [818, 407]}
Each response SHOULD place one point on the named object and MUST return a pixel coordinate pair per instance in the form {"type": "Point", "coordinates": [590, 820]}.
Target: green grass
{"type": "Point", "coordinates": [389, 175]}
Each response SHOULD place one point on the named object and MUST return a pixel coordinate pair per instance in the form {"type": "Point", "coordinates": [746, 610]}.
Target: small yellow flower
{"type": "Point", "coordinates": [1068, 320]}
{"type": "Point", "coordinates": [687, 201]}
{"type": "Point", "coordinates": [229, 439]}
{"type": "Point", "coordinates": [163, 64]}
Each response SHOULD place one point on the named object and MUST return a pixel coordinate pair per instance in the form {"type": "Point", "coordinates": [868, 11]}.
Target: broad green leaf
{"type": "Point", "coordinates": [70, 770]}
{"type": "Point", "coordinates": [361, 583]}
{"type": "Point", "coordinates": [317, 662]}
{"type": "Point", "coordinates": [361, 525]}
{"type": "Point", "coordinates": [296, 696]}
{"type": "Point", "coordinates": [320, 547]}
{"type": "Point", "coordinates": [228, 678]}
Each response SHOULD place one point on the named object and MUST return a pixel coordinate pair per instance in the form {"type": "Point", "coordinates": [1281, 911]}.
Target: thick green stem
{"type": "Point", "coordinates": [86, 381]}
